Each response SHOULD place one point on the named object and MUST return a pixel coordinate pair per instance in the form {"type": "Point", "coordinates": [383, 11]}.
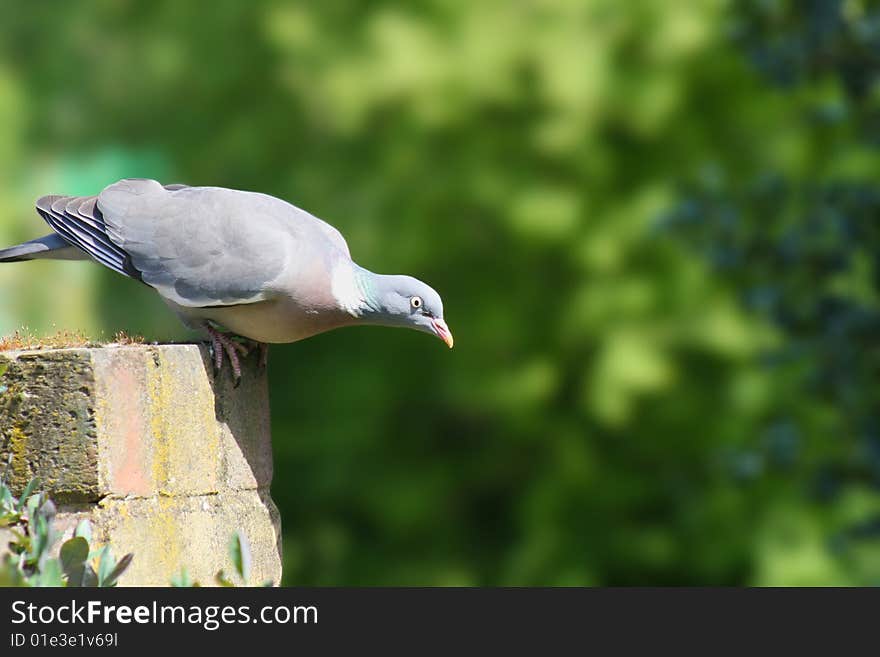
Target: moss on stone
{"type": "Point", "coordinates": [25, 340]}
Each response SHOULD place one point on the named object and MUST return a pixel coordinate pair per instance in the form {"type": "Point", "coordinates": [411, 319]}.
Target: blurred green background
{"type": "Point", "coordinates": [654, 225]}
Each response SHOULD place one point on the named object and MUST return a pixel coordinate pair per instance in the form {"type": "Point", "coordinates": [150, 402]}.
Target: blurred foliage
{"type": "Point", "coordinates": [651, 224]}
{"type": "Point", "coordinates": [799, 240]}
{"type": "Point", "coordinates": [27, 525]}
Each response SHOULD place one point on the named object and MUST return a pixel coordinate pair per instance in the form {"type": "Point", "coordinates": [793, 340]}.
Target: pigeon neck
{"type": "Point", "coordinates": [372, 291]}
{"type": "Point", "coordinates": [369, 285]}
{"type": "Point", "coordinates": [357, 291]}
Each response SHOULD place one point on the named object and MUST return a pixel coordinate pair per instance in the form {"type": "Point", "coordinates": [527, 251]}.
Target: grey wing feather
{"type": "Point", "coordinates": [78, 222]}
{"type": "Point", "coordinates": [198, 246]}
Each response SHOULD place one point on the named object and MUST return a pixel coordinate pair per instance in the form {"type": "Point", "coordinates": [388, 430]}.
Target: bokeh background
{"type": "Point", "coordinates": [654, 225]}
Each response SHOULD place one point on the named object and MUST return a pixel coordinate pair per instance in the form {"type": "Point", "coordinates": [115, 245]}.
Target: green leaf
{"type": "Point", "coordinates": [74, 554]}
{"type": "Point", "coordinates": [7, 501]}
{"type": "Point", "coordinates": [49, 575]}
{"type": "Point", "coordinates": [120, 568]}
{"type": "Point", "coordinates": [90, 578]}
{"type": "Point", "coordinates": [38, 528]}
{"type": "Point", "coordinates": [84, 530]}
{"type": "Point", "coordinates": [22, 542]}
{"type": "Point", "coordinates": [240, 551]}
{"type": "Point", "coordinates": [181, 579]}
{"type": "Point", "coordinates": [7, 519]}
{"type": "Point", "coordinates": [3, 367]}
{"type": "Point", "coordinates": [10, 575]}
{"type": "Point", "coordinates": [32, 504]}
{"type": "Point", "coordinates": [223, 579]}
{"type": "Point", "coordinates": [105, 564]}
{"type": "Point", "coordinates": [75, 550]}
{"type": "Point", "coordinates": [32, 484]}
{"type": "Point", "coordinates": [47, 510]}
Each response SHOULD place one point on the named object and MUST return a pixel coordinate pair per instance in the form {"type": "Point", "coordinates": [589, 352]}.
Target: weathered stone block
{"type": "Point", "coordinates": [166, 533]}
{"type": "Point", "coordinates": [165, 458]}
{"type": "Point", "coordinates": [47, 424]}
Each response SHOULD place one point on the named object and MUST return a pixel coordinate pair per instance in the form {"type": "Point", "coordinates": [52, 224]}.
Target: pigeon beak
{"type": "Point", "coordinates": [442, 331]}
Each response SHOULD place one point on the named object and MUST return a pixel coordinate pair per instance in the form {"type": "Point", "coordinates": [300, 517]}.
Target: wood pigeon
{"type": "Point", "coordinates": [229, 261]}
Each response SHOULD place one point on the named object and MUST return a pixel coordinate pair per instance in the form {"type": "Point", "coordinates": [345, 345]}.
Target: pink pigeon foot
{"type": "Point", "coordinates": [224, 343]}
{"type": "Point", "coordinates": [221, 342]}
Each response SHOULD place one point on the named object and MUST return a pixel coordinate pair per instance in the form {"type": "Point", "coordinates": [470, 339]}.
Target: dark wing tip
{"type": "Point", "coordinates": [78, 220]}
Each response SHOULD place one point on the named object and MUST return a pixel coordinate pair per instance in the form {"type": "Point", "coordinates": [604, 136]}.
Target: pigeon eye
{"type": "Point", "coordinates": [415, 302]}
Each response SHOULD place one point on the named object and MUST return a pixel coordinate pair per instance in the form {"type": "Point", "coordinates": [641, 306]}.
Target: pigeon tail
{"type": "Point", "coordinates": [50, 247]}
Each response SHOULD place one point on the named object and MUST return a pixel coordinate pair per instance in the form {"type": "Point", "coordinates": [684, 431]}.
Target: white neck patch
{"type": "Point", "coordinates": [346, 291]}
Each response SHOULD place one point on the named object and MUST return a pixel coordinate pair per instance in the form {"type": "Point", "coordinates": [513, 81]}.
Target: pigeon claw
{"type": "Point", "coordinates": [235, 350]}
{"type": "Point", "coordinates": [221, 343]}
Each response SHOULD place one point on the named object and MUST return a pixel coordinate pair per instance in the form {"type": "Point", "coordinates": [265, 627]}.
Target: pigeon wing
{"type": "Point", "coordinates": [198, 246]}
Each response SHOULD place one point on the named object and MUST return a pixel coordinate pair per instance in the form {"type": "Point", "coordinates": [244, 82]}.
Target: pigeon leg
{"type": "Point", "coordinates": [241, 347]}
{"type": "Point", "coordinates": [246, 346]}
{"type": "Point", "coordinates": [223, 343]}
{"type": "Point", "coordinates": [217, 351]}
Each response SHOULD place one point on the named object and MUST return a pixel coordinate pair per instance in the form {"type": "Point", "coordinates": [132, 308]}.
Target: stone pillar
{"type": "Point", "coordinates": [164, 458]}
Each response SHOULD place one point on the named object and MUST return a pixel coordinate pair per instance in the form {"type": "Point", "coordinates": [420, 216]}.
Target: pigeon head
{"type": "Point", "coordinates": [396, 300]}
